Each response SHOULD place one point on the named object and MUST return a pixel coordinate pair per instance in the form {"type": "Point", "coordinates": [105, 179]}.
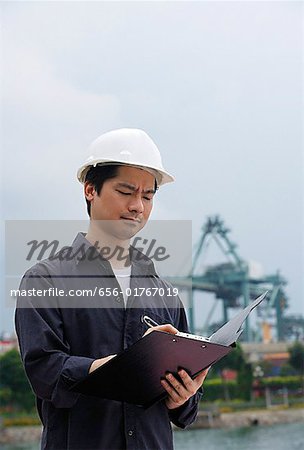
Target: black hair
{"type": "Point", "coordinates": [99, 174]}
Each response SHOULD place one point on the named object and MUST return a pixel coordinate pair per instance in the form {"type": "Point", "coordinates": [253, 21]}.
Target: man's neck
{"type": "Point", "coordinates": [110, 247]}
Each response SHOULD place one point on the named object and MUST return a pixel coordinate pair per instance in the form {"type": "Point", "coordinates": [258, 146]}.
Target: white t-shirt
{"type": "Point", "coordinates": [123, 277]}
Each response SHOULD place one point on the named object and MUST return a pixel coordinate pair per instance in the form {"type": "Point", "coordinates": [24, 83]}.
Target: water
{"type": "Point", "coordinates": [275, 437]}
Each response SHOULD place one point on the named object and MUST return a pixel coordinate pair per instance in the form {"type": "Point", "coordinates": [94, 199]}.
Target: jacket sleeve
{"type": "Point", "coordinates": [185, 414]}
{"type": "Point", "coordinates": [49, 366]}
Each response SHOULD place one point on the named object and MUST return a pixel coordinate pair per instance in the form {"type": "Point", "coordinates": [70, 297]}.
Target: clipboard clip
{"type": "Point", "coordinates": [149, 322]}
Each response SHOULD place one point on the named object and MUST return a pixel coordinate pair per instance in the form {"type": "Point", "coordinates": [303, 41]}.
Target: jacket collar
{"type": "Point", "coordinates": [83, 250]}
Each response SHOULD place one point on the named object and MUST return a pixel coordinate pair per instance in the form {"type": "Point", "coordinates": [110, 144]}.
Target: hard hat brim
{"type": "Point", "coordinates": [162, 178]}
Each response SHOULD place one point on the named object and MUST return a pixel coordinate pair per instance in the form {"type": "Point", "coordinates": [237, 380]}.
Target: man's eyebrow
{"type": "Point", "coordinates": [133, 188]}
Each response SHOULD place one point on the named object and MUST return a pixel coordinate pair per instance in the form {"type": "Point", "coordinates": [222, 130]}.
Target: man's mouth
{"type": "Point", "coordinates": [131, 219]}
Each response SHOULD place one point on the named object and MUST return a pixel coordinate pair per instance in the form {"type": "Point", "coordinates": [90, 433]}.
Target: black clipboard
{"type": "Point", "coordinates": [134, 375]}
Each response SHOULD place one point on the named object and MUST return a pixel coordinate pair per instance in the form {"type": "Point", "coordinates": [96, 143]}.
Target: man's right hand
{"type": "Point", "coordinates": [167, 327]}
{"type": "Point", "coordinates": [99, 362]}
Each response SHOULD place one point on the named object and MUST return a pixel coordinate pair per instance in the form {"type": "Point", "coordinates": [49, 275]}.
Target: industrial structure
{"type": "Point", "coordinates": [235, 284]}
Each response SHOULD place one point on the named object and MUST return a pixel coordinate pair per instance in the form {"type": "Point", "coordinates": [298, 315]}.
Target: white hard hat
{"type": "Point", "coordinates": [126, 146]}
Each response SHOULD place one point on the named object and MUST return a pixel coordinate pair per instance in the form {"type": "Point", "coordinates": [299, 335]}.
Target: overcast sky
{"type": "Point", "coordinates": [218, 86]}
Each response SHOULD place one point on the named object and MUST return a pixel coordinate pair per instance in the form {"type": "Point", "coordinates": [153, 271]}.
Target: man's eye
{"type": "Point", "coordinates": [148, 198]}
{"type": "Point", "coordinates": [124, 193]}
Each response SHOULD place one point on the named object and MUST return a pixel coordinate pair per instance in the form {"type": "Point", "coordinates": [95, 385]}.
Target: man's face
{"type": "Point", "coordinates": [124, 203]}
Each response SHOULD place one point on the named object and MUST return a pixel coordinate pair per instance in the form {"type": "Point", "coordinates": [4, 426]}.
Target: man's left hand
{"type": "Point", "coordinates": [180, 391]}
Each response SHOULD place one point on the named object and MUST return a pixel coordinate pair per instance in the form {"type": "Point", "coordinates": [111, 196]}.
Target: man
{"type": "Point", "coordinates": [62, 340]}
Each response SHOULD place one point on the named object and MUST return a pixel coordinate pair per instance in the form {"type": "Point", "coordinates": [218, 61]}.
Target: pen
{"type": "Point", "coordinates": [150, 322]}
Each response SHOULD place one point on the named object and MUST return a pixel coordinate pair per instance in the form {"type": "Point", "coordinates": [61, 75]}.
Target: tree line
{"type": "Point", "coordinates": [15, 390]}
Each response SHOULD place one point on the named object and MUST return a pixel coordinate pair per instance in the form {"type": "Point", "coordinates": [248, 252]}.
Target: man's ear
{"type": "Point", "coordinates": [89, 191]}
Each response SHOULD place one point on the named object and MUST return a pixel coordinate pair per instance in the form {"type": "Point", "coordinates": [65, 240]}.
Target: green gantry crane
{"type": "Point", "coordinates": [231, 282]}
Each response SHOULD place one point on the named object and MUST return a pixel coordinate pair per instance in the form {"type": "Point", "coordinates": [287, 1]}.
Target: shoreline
{"type": "Point", "coordinates": [247, 418]}
{"type": "Point", "coordinates": [205, 420]}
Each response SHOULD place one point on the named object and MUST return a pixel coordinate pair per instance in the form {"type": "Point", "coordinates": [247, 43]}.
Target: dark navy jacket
{"type": "Point", "coordinates": [60, 338]}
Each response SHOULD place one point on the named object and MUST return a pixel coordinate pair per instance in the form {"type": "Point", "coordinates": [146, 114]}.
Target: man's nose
{"type": "Point", "coordinates": [136, 204]}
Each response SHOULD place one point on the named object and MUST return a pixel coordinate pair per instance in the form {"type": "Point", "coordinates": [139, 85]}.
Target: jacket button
{"type": "Point", "coordinates": [118, 299]}
{"type": "Point", "coordinates": [130, 433]}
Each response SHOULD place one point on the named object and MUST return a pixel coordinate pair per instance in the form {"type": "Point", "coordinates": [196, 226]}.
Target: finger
{"type": "Point", "coordinates": [173, 395]}
{"type": "Point", "coordinates": [186, 377]}
{"type": "Point", "coordinates": [177, 385]}
{"type": "Point", "coordinates": [190, 385]}
{"type": "Point", "coordinates": [167, 327]}
{"type": "Point", "coordinates": [201, 377]}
